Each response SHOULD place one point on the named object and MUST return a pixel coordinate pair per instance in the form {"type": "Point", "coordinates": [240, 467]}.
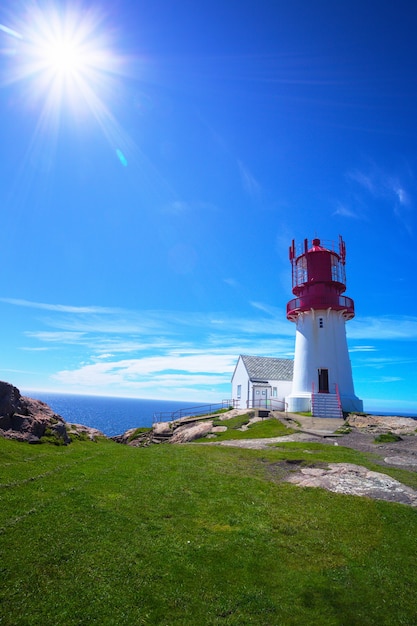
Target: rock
{"type": "Point", "coordinates": [401, 460]}
{"type": "Point", "coordinates": [383, 424]}
{"type": "Point", "coordinates": [351, 479]}
{"type": "Point", "coordinates": [162, 428]}
{"type": "Point", "coordinates": [189, 432]}
{"type": "Point", "coordinates": [80, 431]}
{"type": "Point", "coordinates": [9, 399]}
{"type": "Point", "coordinates": [26, 419]}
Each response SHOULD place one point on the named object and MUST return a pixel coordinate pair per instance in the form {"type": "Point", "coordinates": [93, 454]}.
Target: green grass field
{"type": "Point", "coordinates": [101, 533]}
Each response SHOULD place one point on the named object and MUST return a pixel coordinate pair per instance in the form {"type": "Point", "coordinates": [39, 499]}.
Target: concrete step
{"type": "Point", "coordinates": [326, 405]}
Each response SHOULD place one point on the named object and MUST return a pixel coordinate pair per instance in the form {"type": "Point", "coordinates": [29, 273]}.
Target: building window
{"type": "Point", "coordinates": [239, 391]}
{"type": "Point", "coordinates": [274, 392]}
{"type": "Point", "coordinates": [321, 322]}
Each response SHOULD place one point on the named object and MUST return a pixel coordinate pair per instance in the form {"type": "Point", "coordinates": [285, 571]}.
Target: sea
{"type": "Point", "coordinates": [113, 416]}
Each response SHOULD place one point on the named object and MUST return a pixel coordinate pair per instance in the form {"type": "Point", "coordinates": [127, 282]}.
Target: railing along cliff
{"type": "Point", "coordinates": [193, 411]}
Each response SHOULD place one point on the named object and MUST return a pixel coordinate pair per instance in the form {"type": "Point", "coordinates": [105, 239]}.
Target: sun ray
{"type": "Point", "coordinates": [62, 57]}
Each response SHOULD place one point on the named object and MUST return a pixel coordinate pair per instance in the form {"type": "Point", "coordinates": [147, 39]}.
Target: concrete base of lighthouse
{"type": "Point", "coordinates": [299, 404]}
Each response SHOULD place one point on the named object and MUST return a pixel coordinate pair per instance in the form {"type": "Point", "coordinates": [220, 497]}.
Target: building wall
{"type": "Point", "coordinates": [240, 378]}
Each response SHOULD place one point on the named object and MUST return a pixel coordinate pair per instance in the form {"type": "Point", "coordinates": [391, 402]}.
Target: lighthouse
{"type": "Point", "coordinates": [322, 381]}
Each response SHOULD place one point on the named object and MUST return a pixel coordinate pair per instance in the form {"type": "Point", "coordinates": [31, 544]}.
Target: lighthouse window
{"type": "Point", "coordinates": [321, 322]}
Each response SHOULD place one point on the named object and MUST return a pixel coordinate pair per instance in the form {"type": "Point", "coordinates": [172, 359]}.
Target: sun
{"type": "Point", "coordinates": [63, 55]}
{"type": "Point", "coordinates": [63, 60]}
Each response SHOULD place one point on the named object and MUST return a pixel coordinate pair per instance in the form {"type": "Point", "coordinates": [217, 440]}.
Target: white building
{"type": "Point", "coordinates": [261, 382]}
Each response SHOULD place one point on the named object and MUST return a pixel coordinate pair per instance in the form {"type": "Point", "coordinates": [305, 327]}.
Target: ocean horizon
{"type": "Point", "coordinates": [114, 415]}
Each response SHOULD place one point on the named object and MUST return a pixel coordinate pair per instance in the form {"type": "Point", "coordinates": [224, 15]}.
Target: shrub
{"type": "Point", "coordinates": [138, 432]}
{"type": "Point", "coordinates": [387, 438]}
{"type": "Point", "coordinates": [52, 436]}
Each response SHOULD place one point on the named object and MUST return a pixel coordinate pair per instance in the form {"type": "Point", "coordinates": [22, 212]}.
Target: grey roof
{"type": "Point", "coordinates": [266, 368]}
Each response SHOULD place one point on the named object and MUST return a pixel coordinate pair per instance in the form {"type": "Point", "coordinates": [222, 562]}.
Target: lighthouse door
{"type": "Point", "coordinates": [323, 381]}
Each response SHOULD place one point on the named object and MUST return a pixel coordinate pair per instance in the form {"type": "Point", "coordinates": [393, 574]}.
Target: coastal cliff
{"type": "Point", "coordinates": [33, 421]}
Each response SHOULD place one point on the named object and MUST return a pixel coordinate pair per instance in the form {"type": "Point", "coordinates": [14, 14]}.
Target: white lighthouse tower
{"type": "Point", "coordinates": [322, 381]}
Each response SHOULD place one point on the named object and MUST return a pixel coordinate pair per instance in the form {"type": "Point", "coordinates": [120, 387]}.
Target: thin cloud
{"type": "Point", "coordinates": [393, 190]}
{"type": "Point", "coordinates": [344, 211]}
{"type": "Point", "coordinates": [383, 328]}
{"type": "Point", "coordinates": [231, 282]}
{"type": "Point", "coordinates": [183, 208]}
{"type": "Point", "coordinates": [56, 337]}
{"type": "Point", "coordinates": [60, 308]}
{"type": "Point", "coordinates": [363, 349]}
{"type": "Point", "coordinates": [363, 180]}
{"type": "Point", "coordinates": [38, 349]}
{"type": "Point", "coordinates": [249, 182]}
{"type": "Point", "coordinates": [267, 308]}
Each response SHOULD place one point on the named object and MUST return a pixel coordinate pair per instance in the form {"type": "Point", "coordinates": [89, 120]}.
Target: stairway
{"type": "Point", "coordinates": [326, 405]}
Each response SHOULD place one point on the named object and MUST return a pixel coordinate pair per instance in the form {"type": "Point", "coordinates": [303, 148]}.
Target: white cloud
{"type": "Point", "coordinates": [169, 376]}
{"type": "Point", "coordinates": [383, 328]}
{"type": "Point", "coordinates": [185, 355]}
{"type": "Point", "coordinates": [402, 195]}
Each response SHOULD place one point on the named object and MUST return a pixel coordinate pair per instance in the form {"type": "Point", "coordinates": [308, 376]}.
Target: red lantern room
{"type": "Point", "coordinates": [318, 279]}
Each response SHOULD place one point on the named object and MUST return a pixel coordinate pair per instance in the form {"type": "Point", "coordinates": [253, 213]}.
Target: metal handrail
{"type": "Point", "coordinates": [192, 411]}
{"type": "Point", "coordinates": [272, 404]}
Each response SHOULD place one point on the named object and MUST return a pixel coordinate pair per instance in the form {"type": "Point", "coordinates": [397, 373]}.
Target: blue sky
{"type": "Point", "coordinates": [157, 159]}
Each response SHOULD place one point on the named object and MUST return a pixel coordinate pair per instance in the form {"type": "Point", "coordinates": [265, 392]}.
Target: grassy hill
{"type": "Point", "coordinates": [101, 533]}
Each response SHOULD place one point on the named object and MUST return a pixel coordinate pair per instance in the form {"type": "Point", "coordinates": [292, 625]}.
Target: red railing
{"type": "Point", "coordinates": [336, 386]}
{"type": "Point", "coordinates": [337, 303]}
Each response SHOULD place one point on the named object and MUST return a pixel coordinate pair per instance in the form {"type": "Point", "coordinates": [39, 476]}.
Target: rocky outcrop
{"type": "Point", "coordinates": [166, 432]}
{"type": "Point", "coordinates": [383, 424]}
{"type": "Point", "coordinates": [79, 431]}
{"type": "Point", "coordinates": [26, 419]}
{"type": "Point", "coordinates": [190, 432]}
{"type": "Point", "coordinates": [355, 480]}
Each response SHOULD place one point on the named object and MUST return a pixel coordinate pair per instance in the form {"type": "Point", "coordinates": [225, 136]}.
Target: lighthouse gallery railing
{"type": "Point", "coordinates": [320, 302]}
